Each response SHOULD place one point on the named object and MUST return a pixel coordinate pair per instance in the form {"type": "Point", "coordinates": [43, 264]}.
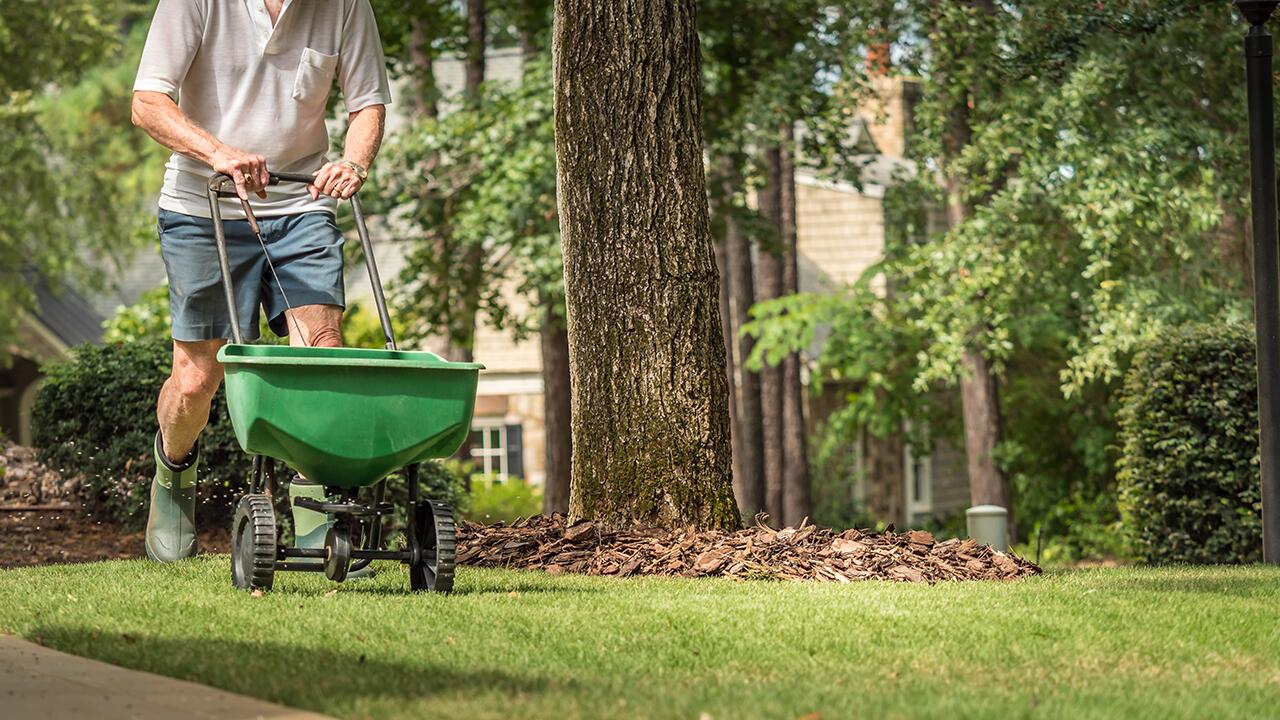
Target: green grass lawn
{"type": "Point", "coordinates": [1168, 643]}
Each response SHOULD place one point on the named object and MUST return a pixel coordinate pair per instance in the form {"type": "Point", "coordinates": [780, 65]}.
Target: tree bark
{"type": "Point", "coordinates": [646, 354]}
{"type": "Point", "coordinates": [883, 475]}
{"type": "Point", "coordinates": [476, 41]}
{"type": "Point", "coordinates": [748, 458]}
{"type": "Point", "coordinates": [423, 79]}
{"type": "Point", "coordinates": [730, 363]}
{"type": "Point", "coordinates": [769, 267]}
{"type": "Point", "coordinates": [797, 501]}
{"type": "Point", "coordinates": [982, 432]}
{"type": "Point", "coordinates": [556, 410]}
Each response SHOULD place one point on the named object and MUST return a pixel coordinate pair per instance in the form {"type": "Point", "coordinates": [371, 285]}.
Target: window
{"type": "Point", "coordinates": [918, 476]}
{"type": "Point", "coordinates": [496, 448]}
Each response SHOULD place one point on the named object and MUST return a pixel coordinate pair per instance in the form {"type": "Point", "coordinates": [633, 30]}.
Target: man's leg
{"type": "Point", "coordinates": [183, 409]}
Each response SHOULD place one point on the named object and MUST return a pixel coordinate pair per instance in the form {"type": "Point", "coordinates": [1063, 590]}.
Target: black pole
{"type": "Point", "coordinates": [1266, 262]}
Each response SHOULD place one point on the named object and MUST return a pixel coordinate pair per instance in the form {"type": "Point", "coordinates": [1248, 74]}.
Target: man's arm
{"type": "Point", "coordinates": [364, 137]}
{"type": "Point", "coordinates": [164, 121]}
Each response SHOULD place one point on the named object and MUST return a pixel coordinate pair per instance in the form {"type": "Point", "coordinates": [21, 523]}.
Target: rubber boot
{"type": "Point", "coordinates": [311, 526]}
{"type": "Point", "coordinates": [171, 519]}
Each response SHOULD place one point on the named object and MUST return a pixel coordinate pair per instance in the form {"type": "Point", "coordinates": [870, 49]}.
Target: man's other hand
{"type": "Point", "coordinates": [247, 171]}
{"type": "Point", "coordinates": [338, 180]}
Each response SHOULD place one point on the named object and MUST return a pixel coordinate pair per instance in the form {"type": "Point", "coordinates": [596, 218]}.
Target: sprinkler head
{"type": "Point", "coordinates": [1257, 12]}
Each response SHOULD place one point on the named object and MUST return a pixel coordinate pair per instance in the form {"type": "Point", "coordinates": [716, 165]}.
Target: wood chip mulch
{"type": "Point", "coordinates": [804, 553]}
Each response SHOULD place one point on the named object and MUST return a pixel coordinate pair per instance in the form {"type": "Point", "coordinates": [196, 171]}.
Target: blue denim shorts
{"type": "Point", "coordinates": [306, 250]}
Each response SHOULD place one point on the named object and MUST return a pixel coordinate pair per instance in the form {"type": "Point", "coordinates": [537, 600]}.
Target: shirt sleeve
{"type": "Point", "coordinates": [362, 69]}
{"type": "Point", "coordinates": [172, 42]}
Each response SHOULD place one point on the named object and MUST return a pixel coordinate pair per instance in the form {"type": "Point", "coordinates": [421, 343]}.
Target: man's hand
{"type": "Point", "coordinates": [338, 180]}
{"type": "Point", "coordinates": [247, 171]}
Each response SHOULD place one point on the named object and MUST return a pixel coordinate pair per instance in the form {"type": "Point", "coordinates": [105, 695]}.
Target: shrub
{"type": "Point", "coordinates": [492, 501]}
{"type": "Point", "coordinates": [1188, 470]}
{"type": "Point", "coordinates": [95, 416]}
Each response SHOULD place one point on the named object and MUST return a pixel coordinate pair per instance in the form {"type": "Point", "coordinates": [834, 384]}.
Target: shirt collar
{"type": "Point", "coordinates": [267, 35]}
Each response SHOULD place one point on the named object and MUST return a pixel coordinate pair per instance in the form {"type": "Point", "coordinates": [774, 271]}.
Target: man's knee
{"type": "Point", "coordinates": [316, 325]}
{"type": "Point", "coordinates": [326, 336]}
{"type": "Point", "coordinates": [196, 371]}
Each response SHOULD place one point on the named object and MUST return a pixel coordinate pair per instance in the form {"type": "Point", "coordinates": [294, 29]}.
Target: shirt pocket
{"type": "Point", "coordinates": [315, 77]}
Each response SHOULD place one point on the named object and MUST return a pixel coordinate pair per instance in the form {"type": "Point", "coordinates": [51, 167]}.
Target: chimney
{"type": "Point", "coordinates": [878, 60]}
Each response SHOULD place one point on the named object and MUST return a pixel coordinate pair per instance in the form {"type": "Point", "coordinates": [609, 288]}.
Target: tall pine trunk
{"type": "Point", "coordinates": [471, 273]}
{"type": "Point", "coordinates": [556, 410]}
{"type": "Point", "coordinates": [476, 41]}
{"type": "Point", "coordinates": [770, 286]}
{"type": "Point", "coordinates": [650, 400]}
{"type": "Point", "coordinates": [979, 390]}
{"type": "Point", "coordinates": [748, 479]}
{"type": "Point", "coordinates": [722, 212]}
{"type": "Point", "coordinates": [796, 500]}
{"type": "Point", "coordinates": [730, 363]}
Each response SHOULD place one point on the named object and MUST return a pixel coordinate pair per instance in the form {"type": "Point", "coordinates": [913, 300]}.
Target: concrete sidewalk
{"type": "Point", "coordinates": [43, 684]}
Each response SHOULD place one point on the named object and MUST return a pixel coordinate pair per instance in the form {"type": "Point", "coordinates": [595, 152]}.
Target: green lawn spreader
{"type": "Point", "coordinates": [344, 418]}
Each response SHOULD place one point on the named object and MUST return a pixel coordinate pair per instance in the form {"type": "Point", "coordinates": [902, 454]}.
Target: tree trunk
{"type": "Point", "coordinates": [797, 503]}
{"type": "Point", "coordinates": [979, 394]}
{"type": "Point", "coordinates": [473, 258]}
{"type": "Point", "coordinates": [730, 363]}
{"type": "Point", "coordinates": [556, 410]}
{"type": "Point", "coordinates": [422, 77]}
{"type": "Point", "coordinates": [882, 476]}
{"type": "Point", "coordinates": [476, 40]}
{"type": "Point", "coordinates": [769, 267]}
{"type": "Point", "coordinates": [748, 455]}
{"type": "Point", "coordinates": [980, 398]}
{"type": "Point", "coordinates": [650, 403]}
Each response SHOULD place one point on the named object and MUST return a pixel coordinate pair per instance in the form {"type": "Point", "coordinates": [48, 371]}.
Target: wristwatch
{"type": "Point", "coordinates": [361, 173]}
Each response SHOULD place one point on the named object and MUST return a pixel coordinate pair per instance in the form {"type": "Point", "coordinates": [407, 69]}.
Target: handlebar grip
{"type": "Point", "coordinates": [218, 182]}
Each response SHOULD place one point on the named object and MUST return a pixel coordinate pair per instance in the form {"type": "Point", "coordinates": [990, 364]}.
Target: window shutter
{"type": "Point", "coordinates": [515, 451]}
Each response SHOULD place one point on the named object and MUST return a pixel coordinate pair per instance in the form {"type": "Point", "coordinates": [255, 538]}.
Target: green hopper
{"type": "Point", "coordinates": [344, 418]}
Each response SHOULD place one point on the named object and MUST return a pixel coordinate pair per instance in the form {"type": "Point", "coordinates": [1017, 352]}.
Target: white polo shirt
{"type": "Point", "coordinates": [260, 89]}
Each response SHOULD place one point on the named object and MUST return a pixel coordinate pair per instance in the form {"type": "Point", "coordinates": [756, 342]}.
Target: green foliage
{"type": "Point", "coordinates": [476, 188]}
{"type": "Point", "coordinates": [1189, 441]}
{"type": "Point", "coordinates": [95, 415]}
{"type": "Point", "coordinates": [491, 501]}
{"type": "Point", "coordinates": [146, 319]}
{"type": "Point", "coordinates": [1104, 203]}
{"type": "Point", "coordinates": [74, 165]}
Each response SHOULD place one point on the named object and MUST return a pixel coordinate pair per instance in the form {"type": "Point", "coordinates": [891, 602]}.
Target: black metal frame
{"type": "Point", "coordinates": [1266, 261]}
{"type": "Point", "coordinates": [350, 514]}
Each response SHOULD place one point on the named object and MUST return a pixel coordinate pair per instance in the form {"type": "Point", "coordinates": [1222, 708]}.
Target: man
{"type": "Point", "coordinates": [237, 87]}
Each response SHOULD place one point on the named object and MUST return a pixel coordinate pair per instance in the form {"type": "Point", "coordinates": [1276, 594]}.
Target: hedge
{"type": "Point", "coordinates": [95, 416]}
{"type": "Point", "coordinates": [1188, 470]}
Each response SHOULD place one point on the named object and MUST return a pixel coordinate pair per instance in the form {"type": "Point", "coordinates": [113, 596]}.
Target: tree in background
{"type": "Point", "coordinates": [650, 402]}
{"type": "Point", "coordinates": [1090, 157]}
{"type": "Point", "coordinates": [71, 169]}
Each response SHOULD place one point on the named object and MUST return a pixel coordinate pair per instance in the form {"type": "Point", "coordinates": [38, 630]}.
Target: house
{"type": "Point", "coordinates": [60, 320]}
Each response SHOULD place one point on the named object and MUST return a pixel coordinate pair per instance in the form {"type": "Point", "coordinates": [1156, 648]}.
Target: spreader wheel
{"type": "Point", "coordinates": [436, 545]}
{"type": "Point", "coordinates": [253, 543]}
{"type": "Point", "coordinates": [337, 542]}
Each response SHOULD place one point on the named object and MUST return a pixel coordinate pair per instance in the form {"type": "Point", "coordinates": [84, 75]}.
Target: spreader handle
{"type": "Point", "coordinates": [217, 188]}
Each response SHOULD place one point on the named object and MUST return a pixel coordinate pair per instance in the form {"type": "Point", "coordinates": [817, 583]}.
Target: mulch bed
{"type": "Point", "coordinates": [41, 522]}
{"type": "Point", "coordinates": [804, 553]}
{"type": "Point", "coordinates": [49, 537]}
